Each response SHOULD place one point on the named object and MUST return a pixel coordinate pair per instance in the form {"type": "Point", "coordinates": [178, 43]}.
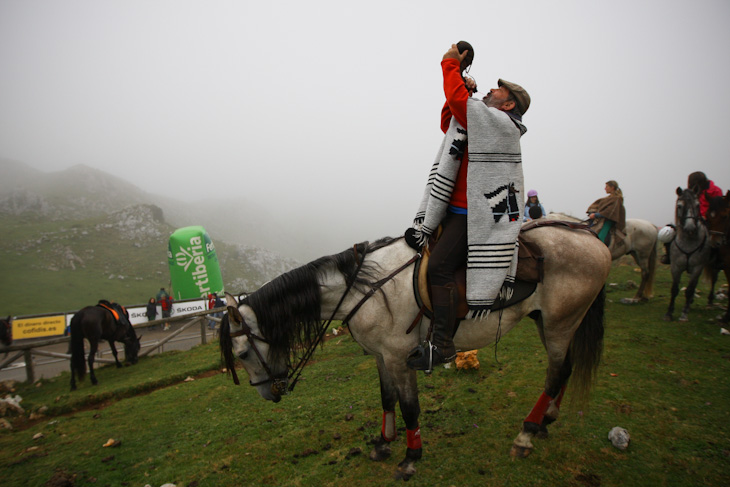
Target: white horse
{"type": "Point", "coordinates": [641, 244]}
{"type": "Point", "coordinates": [274, 330]}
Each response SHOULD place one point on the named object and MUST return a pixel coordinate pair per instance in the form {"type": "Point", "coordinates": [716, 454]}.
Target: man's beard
{"type": "Point", "coordinates": [491, 102]}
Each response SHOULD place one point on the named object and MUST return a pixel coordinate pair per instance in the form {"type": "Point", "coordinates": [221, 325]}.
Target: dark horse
{"type": "Point", "coordinates": [274, 330]}
{"type": "Point", "coordinates": [718, 223]}
{"type": "Point", "coordinates": [6, 332]}
{"type": "Point", "coordinates": [690, 249]}
{"type": "Point", "coordinates": [96, 323]}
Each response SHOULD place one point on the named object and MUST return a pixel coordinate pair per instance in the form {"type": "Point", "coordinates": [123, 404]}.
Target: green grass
{"type": "Point", "coordinates": [667, 383]}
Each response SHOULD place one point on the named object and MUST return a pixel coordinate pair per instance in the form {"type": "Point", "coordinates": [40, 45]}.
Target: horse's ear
{"type": "Point", "coordinates": [233, 313]}
{"type": "Point", "coordinates": [679, 191]}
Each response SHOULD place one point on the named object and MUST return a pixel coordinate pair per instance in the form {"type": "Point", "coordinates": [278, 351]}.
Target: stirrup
{"type": "Point", "coordinates": [425, 356]}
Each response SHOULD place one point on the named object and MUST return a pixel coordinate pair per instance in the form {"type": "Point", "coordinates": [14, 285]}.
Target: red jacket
{"type": "Point", "coordinates": [456, 96]}
{"type": "Point", "coordinates": [706, 196]}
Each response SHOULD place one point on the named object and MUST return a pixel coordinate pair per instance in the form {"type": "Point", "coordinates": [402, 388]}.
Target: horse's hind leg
{"type": "Point", "coordinates": [547, 408]}
{"type": "Point", "coordinates": [545, 411]}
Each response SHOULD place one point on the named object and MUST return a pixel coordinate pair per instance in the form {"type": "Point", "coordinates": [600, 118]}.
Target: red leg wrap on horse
{"type": "Point", "coordinates": [413, 438]}
{"type": "Point", "coordinates": [538, 412]}
{"type": "Point", "coordinates": [388, 431]}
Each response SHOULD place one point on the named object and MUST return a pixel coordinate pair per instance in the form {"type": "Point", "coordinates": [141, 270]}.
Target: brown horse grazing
{"type": "Point", "coordinates": [689, 251]}
{"type": "Point", "coordinates": [96, 323]}
{"type": "Point", "coordinates": [274, 330]}
{"type": "Point", "coordinates": [718, 223]}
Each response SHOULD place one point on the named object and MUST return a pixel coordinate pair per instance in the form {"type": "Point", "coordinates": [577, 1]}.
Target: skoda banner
{"type": "Point", "coordinates": [194, 268]}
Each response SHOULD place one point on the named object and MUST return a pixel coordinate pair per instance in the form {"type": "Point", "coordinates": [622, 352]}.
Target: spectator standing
{"type": "Point", "coordinates": [166, 305]}
{"type": "Point", "coordinates": [533, 201]}
{"type": "Point", "coordinates": [151, 310]}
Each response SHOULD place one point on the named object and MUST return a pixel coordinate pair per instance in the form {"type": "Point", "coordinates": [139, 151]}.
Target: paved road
{"type": "Point", "coordinates": [48, 367]}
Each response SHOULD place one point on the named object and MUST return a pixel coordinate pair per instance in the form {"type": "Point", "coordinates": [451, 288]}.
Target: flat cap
{"type": "Point", "coordinates": [522, 98]}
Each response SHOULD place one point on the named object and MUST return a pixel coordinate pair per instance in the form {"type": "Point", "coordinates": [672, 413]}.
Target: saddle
{"type": "Point", "coordinates": [530, 269]}
{"type": "Point", "coordinates": [106, 305]}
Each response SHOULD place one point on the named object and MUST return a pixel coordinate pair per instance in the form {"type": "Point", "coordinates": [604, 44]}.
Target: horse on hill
{"type": "Point", "coordinates": [718, 223]}
{"type": "Point", "coordinates": [96, 323]}
{"type": "Point", "coordinates": [690, 249]}
{"type": "Point", "coordinates": [641, 243]}
{"type": "Point", "coordinates": [274, 330]}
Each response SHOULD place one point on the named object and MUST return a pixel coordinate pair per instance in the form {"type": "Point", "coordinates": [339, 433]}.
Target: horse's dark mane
{"type": "Point", "coordinates": [717, 203]}
{"type": "Point", "coordinates": [288, 308]}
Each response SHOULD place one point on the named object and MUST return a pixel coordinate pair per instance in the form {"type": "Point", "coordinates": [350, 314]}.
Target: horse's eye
{"type": "Point", "coordinates": [243, 355]}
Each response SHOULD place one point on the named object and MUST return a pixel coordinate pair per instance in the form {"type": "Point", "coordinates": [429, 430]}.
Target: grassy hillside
{"type": "Point", "coordinates": [52, 266]}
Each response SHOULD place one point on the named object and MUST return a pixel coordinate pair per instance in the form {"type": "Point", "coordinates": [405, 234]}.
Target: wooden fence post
{"type": "Point", "coordinates": [29, 366]}
{"type": "Point", "coordinates": [203, 337]}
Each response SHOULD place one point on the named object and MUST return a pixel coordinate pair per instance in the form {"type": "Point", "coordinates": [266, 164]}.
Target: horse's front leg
{"type": "Point", "coordinates": [675, 291]}
{"type": "Point", "coordinates": [93, 347]}
{"type": "Point", "coordinates": [389, 398]}
{"type": "Point", "coordinates": [689, 296]}
{"type": "Point", "coordinates": [398, 383]}
{"type": "Point", "coordinates": [114, 352]}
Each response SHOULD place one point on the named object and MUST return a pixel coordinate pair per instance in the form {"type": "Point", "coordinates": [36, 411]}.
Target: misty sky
{"type": "Point", "coordinates": [329, 111]}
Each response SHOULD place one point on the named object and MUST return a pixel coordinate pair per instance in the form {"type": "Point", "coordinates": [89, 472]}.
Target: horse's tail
{"type": "Point", "coordinates": [587, 348]}
{"type": "Point", "coordinates": [78, 364]}
{"type": "Point", "coordinates": [649, 288]}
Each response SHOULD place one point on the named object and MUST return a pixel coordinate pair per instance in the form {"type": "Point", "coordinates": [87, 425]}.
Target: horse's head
{"type": "Point", "coordinates": [241, 338]}
{"type": "Point", "coordinates": [687, 212]}
{"type": "Point", "coordinates": [718, 220]}
{"type": "Point", "coordinates": [132, 346]}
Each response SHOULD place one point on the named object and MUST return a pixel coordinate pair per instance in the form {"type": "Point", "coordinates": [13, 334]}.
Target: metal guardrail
{"type": "Point", "coordinates": [27, 350]}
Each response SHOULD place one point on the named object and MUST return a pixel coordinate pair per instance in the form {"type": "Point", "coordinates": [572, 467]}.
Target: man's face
{"type": "Point", "coordinates": [496, 97]}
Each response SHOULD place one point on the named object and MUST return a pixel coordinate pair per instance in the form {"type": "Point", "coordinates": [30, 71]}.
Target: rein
{"type": "Point", "coordinates": [700, 224]}
{"type": "Point", "coordinates": [279, 384]}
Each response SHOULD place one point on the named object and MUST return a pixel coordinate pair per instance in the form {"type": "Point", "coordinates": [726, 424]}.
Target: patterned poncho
{"type": "Point", "coordinates": [494, 196]}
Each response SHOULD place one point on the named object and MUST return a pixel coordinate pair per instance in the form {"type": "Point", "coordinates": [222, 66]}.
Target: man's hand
{"type": "Point", "coordinates": [471, 84]}
{"type": "Point", "coordinates": [453, 53]}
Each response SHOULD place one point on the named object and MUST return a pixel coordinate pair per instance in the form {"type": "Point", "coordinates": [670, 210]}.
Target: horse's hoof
{"type": "Point", "coordinates": [667, 318]}
{"type": "Point", "coordinates": [519, 451]}
{"type": "Point", "coordinates": [380, 452]}
{"type": "Point", "coordinates": [683, 318]}
{"type": "Point", "coordinates": [629, 300]}
{"type": "Point", "coordinates": [405, 470]}
{"type": "Point", "coordinates": [542, 434]}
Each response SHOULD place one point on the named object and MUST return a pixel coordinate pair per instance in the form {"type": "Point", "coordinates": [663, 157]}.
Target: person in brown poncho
{"type": "Point", "coordinates": [608, 214]}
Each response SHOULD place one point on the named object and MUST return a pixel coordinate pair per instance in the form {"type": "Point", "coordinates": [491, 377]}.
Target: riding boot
{"type": "Point", "coordinates": [664, 259]}
{"type": "Point", "coordinates": [441, 349]}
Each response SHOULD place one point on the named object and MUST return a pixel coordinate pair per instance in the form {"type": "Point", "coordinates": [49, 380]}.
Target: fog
{"type": "Point", "coordinates": [327, 112]}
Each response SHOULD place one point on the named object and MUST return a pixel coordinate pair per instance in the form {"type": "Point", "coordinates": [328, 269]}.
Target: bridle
{"type": "Point", "coordinates": [280, 384]}
{"type": "Point", "coordinates": [699, 222]}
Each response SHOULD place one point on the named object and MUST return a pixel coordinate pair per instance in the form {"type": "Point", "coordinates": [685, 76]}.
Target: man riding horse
{"type": "Point", "coordinates": [473, 193]}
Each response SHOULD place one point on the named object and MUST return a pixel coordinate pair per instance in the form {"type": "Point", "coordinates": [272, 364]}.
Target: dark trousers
{"type": "Point", "coordinates": [450, 251]}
